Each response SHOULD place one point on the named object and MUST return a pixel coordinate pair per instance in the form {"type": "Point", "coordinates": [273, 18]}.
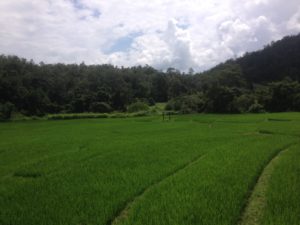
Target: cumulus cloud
{"type": "Point", "coordinates": [160, 33]}
{"type": "Point", "coordinates": [294, 22]}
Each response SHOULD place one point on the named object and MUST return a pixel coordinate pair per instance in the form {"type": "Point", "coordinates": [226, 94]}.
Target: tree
{"type": "Point", "coordinates": [6, 110]}
{"type": "Point", "coordinates": [283, 95]}
{"type": "Point", "coordinates": [100, 107]}
{"type": "Point", "coordinates": [220, 100]}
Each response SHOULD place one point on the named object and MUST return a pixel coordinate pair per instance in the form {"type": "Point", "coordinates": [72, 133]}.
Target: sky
{"type": "Point", "coordinates": [182, 34]}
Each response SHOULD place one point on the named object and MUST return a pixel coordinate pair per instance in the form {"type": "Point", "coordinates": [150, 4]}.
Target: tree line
{"type": "Point", "coordinates": [266, 80]}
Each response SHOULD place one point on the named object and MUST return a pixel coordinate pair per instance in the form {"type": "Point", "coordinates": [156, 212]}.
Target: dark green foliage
{"type": "Point", "coordinates": [275, 62]}
{"type": "Point", "coordinates": [77, 116]}
{"type": "Point", "coordinates": [173, 104]}
{"type": "Point", "coordinates": [137, 106]}
{"type": "Point", "coordinates": [221, 100]}
{"type": "Point", "coordinates": [227, 74]}
{"type": "Point", "coordinates": [256, 108]}
{"type": "Point", "coordinates": [100, 107]}
{"type": "Point", "coordinates": [244, 102]}
{"type": "Point", "coordinates": [284, 96]}
{"type": "Point", "coordinates": [296, 102]}
{"type": "Point", "coordinates": [6, 110]}
{"type": "Point", "coordinates": [269, 76]}
{"type": "Point", "coordinates": [151, 102]}
{"type": "Point", "coordinates": [187, 104]}
{"type": "Point", "coordinates": [140, 114]}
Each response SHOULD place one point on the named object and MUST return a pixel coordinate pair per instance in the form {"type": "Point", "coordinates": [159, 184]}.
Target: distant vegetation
{"type": "Point", "coordinates": [266, 80]}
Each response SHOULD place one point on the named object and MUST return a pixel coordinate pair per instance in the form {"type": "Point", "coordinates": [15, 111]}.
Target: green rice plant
{"type": "Point", "coordinates": [88, 171]}
{"type": "Point", "coordinates": [283, 195]}
{"type": "Point", "coordinates": [211, 190]}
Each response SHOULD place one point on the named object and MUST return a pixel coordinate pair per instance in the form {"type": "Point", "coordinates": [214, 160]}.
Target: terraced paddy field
{"type": "Point", "coordinates": [195, 169]}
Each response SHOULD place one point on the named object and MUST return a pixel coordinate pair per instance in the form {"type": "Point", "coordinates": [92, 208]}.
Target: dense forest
{"type": "Point", "coordinates": [266, 80]}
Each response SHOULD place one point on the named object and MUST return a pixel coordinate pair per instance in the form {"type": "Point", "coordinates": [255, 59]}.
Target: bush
{"type": "Point", "coordinates": [100, 107]}
{"type": "Point", "coordinates": [6, 110]}
{"type": "Point", "coordinates": [256, 108]}
{"type": "Point", "coordinates": [140, 114]}
{"type": "Point", "coordinates": [151, 101]}
{"type": "Point", "coordinates": [193, 103]}
{"type": "Point", "coordinates": [174, 104]}
{"type": "Point", "coordinates": [77, 116]}
{"type": "Point", "coordinates": [187, 104]}
{"type": "Point", "coordinates": [137, 106]}
{"type": "Point", "coordinates": [118, 115]}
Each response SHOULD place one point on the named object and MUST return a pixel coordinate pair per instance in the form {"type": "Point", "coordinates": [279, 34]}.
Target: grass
{"type": "Point", "coordinates": [193, 169]}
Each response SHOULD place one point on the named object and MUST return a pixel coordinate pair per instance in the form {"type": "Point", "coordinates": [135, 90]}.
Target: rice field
{"type": "Point", "coordinates": [193, 169]}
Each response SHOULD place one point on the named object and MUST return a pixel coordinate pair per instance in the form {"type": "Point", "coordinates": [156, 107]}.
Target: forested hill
{"type": "Point", "coordinates": [275, 62]}
{"type": "Point", "coordinates": [265, 80]}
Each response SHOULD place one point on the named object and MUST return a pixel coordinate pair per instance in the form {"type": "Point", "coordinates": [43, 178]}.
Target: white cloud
{"type": "Point", "coordinates": [294, 22]}
{"type": "Point", "coordinates": [171, 33]}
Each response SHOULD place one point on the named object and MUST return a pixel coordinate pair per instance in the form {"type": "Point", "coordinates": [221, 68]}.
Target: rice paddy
{"type": "Point", "coordinates": [193, 169]}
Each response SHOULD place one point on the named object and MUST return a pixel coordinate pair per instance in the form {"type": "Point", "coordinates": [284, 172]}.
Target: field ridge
{"type": "Point", "coordinates": [123, 212]}
{"type": "Point", "coordinates": [268, 132]}
{"type": "Point", "coordinates": [253, 210]}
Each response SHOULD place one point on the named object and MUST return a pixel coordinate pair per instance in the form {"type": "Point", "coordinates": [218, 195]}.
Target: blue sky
{"type": "Point", "coordinates": [123, 44]}
{"type": "Point", "coordinates": [160, 33]}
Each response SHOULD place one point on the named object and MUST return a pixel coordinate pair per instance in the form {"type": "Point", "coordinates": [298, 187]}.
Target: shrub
{"type": "Point", "coordinates": [137, 106]}
{"type": "Point", "coordinates": [140, 114]}
{"type": "Point", "coordinates": [193, 103]}
{"type": "Point", "coordinates": [174, 104]}
{"type": "Point", "coordinates": [151, 101]}
{"type": "Point", "coordinates": [100, 107]}
{"type": "Point", "coordinates": [256, 108]}
{"type": "Point", "coordinates": [6, 110]}
{"type": "Point", "coordinates": [118, 115]}
{"type": "Point", "coordinates": [187, 104]}
{"type": "Point", "coordinates": [77, 116]}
